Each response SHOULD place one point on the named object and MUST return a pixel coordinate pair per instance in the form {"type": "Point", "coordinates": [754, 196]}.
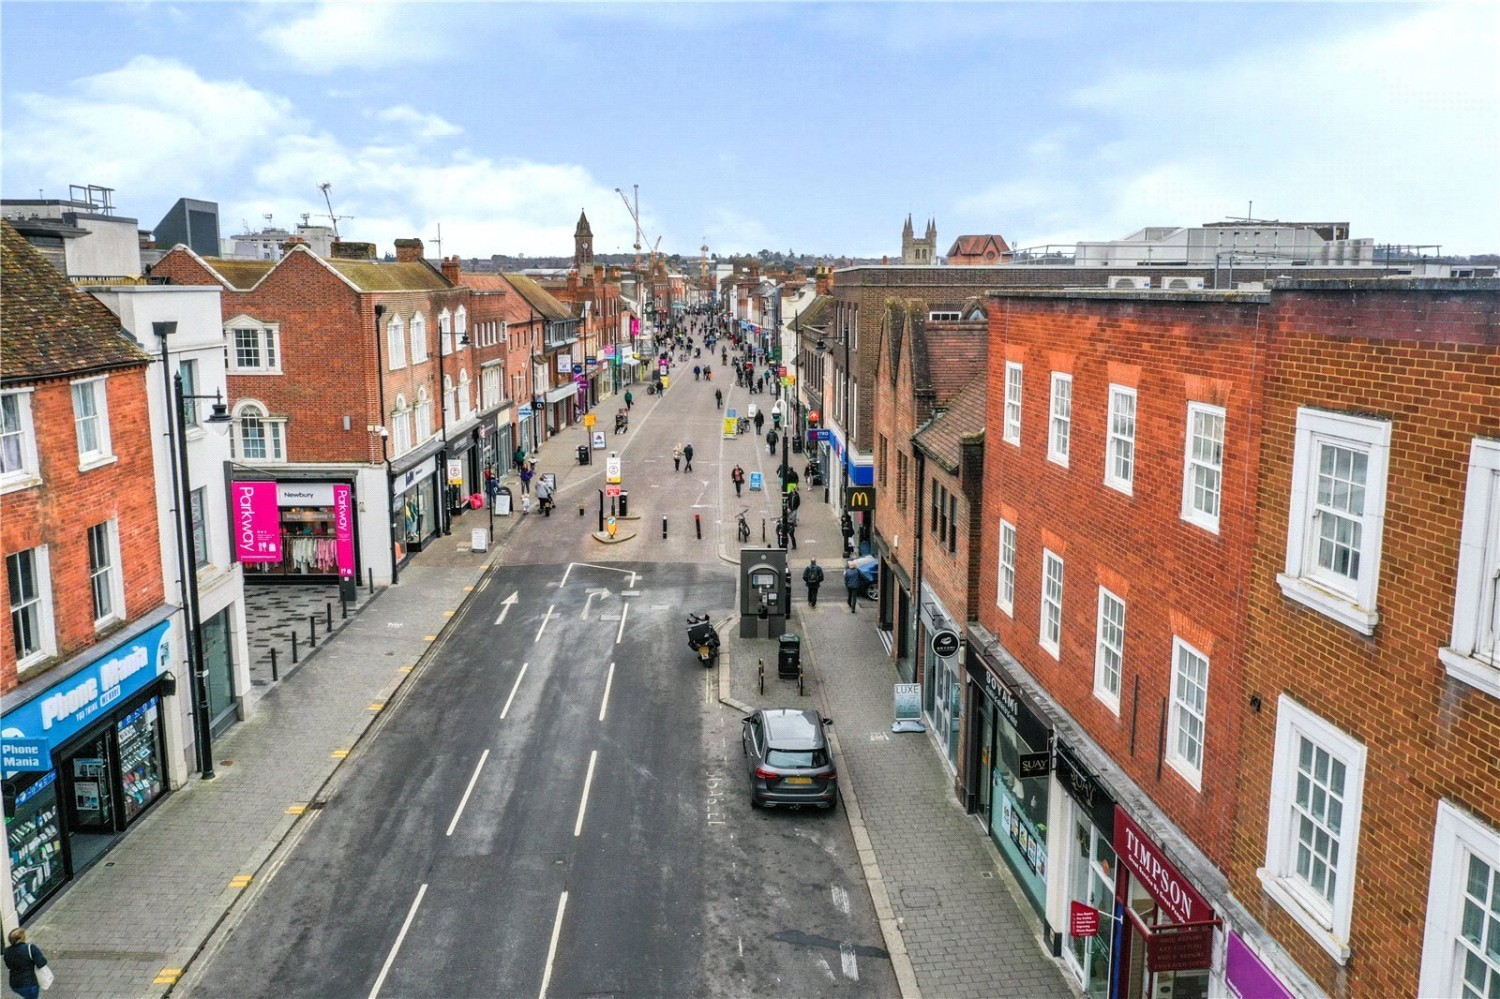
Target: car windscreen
{"type": "Point", "coordinates": [796, 758]}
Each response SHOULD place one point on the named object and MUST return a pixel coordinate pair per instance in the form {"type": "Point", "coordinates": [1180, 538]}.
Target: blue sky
{"type": "Point", "coordinates": [814, 127]}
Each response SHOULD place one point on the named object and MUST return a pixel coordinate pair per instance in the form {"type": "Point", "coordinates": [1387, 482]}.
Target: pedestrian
{"type": "Point", "coordinates": [771, 440]}
{"type": "Point", "coordinates": [708, 373]}
{"type": "Point", "coordinates": [813, 577]}
{"type": "Point", "coordinates": [27, 966]}
{"type": "Point", "coordinates": [677, 457]}
{"type": "Point", "coordinates": [525, 504]}
{"type": "Point", "coordinates": [687, 457]}
{"type": "Point", "coordinates": [760, 421]}
{"type": "Point", "coordinates": [737, 476]}
{"type": "Point", "coordinates": [697, 372]}
{"type": "Point", "coordinates": [526, 473]}
{"type": "Point", "coordinates": [519, 458]}
{"type": "Point", "coordinates": [791, 526]}
{"type": "Point", "coordinates": [852, 581]}
{"type": "Point", "coordinates": [718, 398]}
{"type": "Point", "coordinates": [629, 399]}
{"type": "Point", "coordinates": [846, 528]}
{"type": "Point", "coordinates": [544, 496]}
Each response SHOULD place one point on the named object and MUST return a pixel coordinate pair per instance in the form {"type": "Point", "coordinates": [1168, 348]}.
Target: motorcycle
{"type": "Point", "coordinates": [703, 639]}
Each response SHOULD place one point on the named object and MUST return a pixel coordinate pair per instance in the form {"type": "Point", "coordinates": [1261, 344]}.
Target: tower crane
{"type": "Point", "coordinates": [333, 220]}
{"type": "Point", "coordinates": [634, 208]}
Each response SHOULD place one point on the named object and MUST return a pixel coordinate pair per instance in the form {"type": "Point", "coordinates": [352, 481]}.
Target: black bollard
{"type": "Point", "coordinates": [371, 574]}
{"type": "Point", "coordinates": [274, 674]}
{"type": "Point", "coordinates": [312, 631]}
{"type": "Point", "coordinates": [294, 648]}
{"type": "Point", "coordinates": [328, 619]}
{"type": "Point", "coordinates": [343, 607]}
{"type": "Point", "coordinates": [664, 527]}
{"type": "Point", "coordinates": [698, 525]}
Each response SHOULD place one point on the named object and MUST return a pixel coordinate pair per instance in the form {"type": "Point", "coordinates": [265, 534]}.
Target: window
{"type": "Point", "coordinates": [188, 370]}
{"type": "Point", "coordinates": [952, 522]}
{"type": "Point", "coordinates": [395, 342]}
{"type": "Point", "coordinates": [418, 338]}
{"type": "Point", "coordinates": [1203, 482]}
{"type": "Point", "coordinates": [901, 466]}
{"type": "Point", "coordinates": [91, 421]}
{"type": "Point", "coordinates": [1337, 515]}
{"type": "Point", "coordinates": [254, 347]}
{"type": "Point", "coordinates": [1012, 403]}
{"type": "Point", "coordinates": [1119, 457]}
{"type": "Point", "coordinates": [1005, 578]}
{"type": "Point", "coordinates": [1060, 426]}
{"type": "Point", "coordinates": [1186, 726]}
{"type": "Point", "coordinates": [1461, 947]}
{"type": "Point", "coordinates": [259, 437]}
{"type": "Point", "coordinates": [18, 461]}
{"type": "Point", "coordinates": [939, 511]}
{"type": "Point", "coordinates": [465, 395]}
{"type": "Point", "coordinates": [104, 574]}
{"type": "Point", "coordinates": [450, 401]}
{"type": "Point", "coordinates": [400, 428]}
{"type": "Point", "coordinates": [461, 321]}
{"type": "Point", "coordinates": [423, 414]}
{"type": "Point", "coordinates": [199, 509]}
{"type": "Point", "coordinates": [883, 456]}
{"type": "Point", "coordinates": [1109, 652]}
{"type": "Point", "coordinates": [1317, 785]}
{"type": "Point", "coordinates": [30, 593]}
{"type": "Point", "coordinates": [939, 317]}
{"type": "Point", "coordinates": [1473, 655]}
{"type": "Point", "coordinates": [491, 388]}
{"type": "Point", "coordinates": [1052, 589]}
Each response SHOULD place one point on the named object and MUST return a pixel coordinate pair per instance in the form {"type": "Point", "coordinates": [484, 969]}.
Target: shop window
{"type": "Point", "coordinates": [1187, 726]}
{"type": "Point", "coordinates": [199, 507]}
{"type": "Point", "coordinates": [1109, 652]}
{"type": "Point", "coordinates": [1005, 581]}
{"type": "Point", "coordinates": [257, 435]}
{"type": "Point", "coordinates": [1336, 517]}
{"type": "Point", "coordinates": [33, 828]}
{"type": "Point", "coordinates": [254, 347]}
{"type": "Point", "coordinates": [1203, 481]}
{"type": "Point", "coordinates": [29, 584]}
{"type": "Point", "coordinates": [419, 338]}
{"type": "Point", "coordinates": [1317, 787]}
{"type": "Point", "coordinates": [1461, 945]}
{"type": "Point", "coordinates": [1092, 883]}
{"type": "Point", "coordinates": [104, 574]}
{"type": "Point", "coordinates": [1012, 432]}
{"type": "Point", "coordinates": [395, 342]}
{"type": "Point", "coordinates": [91, 422]}
{"type": "Point", "coordinates": [1060, 427]}
{"type": "Point", "coordinates": [1119, 459]}
{"type": "Point", "coordinates": [1050, 632]}
{"type": "Point", "coordinates": [1473, 654]}
{"type": "Point", "coordinates": [18, 460]}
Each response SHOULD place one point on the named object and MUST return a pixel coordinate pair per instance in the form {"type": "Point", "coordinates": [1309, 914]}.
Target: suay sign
{"type": "Point", "coordinates": [1161, 877]}
{"type": "Point", "coordinates": [257, 521]}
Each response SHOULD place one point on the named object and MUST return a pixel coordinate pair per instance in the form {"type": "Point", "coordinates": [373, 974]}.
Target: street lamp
{"type": "Point", "coordinates": [187, 563]}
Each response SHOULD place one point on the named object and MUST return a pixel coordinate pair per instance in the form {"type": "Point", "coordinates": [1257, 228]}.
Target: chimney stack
{"type": "Point", "coordinates": [341, 250]}
{"type": "Point", "coordinates": [408, 251]}
{"type": "Point", "coordinates": [823, 279]}
{"type": "Point", "coordinates": [291, 241]}
{"type": "Point", "coordinates": [451, 269]}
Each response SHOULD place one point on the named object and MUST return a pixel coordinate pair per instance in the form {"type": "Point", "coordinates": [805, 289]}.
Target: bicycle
{"type": "Point", "coordinates": [743, 527]}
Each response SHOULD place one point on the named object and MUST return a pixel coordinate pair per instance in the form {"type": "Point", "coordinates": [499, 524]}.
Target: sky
{"type": "Point", "coordinates": [809, 127]}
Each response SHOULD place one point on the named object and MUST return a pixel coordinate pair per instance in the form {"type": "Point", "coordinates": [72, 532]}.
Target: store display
{"type": "Point", "coordinates": [140, 758]}
{"type": "Point", "coordinates": [35, 840]}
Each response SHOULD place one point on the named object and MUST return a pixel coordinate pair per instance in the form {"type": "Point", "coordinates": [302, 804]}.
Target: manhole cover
{"type": "Point", "coordinates": [919, 898]}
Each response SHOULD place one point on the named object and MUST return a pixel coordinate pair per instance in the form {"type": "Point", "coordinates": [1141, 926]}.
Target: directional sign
{"type": "Point", "coordinates": [945, 643]}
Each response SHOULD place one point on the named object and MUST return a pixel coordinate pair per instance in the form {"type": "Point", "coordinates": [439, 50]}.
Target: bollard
{"type": "Point", "coordinates": [294, 648]}
{"type": "Point", "coordinates": [762, 530]}
{"type": "Point", "coordinates": [698, 525]}
{"type": "Point", "coordinates": [343, 607]}
{"type": "Point", "coordinates": [312, 631]}
{"type": "Point", "coordinates": [664, 527]}
{"type": "Point", "coordinates": [274, 674]}
{"type": "Point", "coordinates": [327, 618]}
{"type": "Point", "coordinates": [371, 574]}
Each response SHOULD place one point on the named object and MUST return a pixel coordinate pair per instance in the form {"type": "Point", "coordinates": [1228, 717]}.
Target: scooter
{"type": "Point", "coordinates": [703, 639]}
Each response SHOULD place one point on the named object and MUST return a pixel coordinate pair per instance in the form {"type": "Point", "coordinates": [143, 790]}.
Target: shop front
{"type": "Point", "coordinates": [942, 686]}
{"type": "Point", "coordinates": [1009, 773]}
{"type": "Point", "coordinates": [414, 508]}
{"type": "Point", "coordinates": [292, 531]}
{"type": "Point", "coordinates": [560, 402]}
{"type": "Point", "coordinates": [896, 614]}
{"type": "Point", "coordinates": [84, 759]}
{"type": "Point", "coordinates": [1091, 870]}
{"type": "Point", "coordinates": [525, 430]}
{"type": "Point", "coordinates": [1167, 934]}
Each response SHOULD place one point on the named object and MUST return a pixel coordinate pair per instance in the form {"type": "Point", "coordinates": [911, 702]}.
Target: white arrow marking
{"type": "Point", "coordinates": [506, 605]}
{"type": "Point", "coordinates": [593, 592]}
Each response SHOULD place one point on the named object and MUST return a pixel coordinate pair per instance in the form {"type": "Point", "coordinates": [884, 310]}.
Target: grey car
{"type": "Point", "coordinates": [787, 755]}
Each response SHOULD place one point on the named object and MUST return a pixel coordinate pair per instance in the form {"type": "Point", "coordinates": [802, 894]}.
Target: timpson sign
{"type": "Point", "coordinates": [1171, 889]}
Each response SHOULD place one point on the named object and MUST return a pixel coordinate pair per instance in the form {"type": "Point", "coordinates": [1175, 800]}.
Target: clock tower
{"type": "Point", "coordinates": [583, 246]}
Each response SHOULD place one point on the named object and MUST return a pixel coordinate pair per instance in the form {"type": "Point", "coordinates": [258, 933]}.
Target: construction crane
{"type": "Point", "coordinates": [333, 219]}
{"type": "Point", "coordinates": [635, 216]}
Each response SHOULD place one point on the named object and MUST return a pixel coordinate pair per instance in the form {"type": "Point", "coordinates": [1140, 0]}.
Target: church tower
{"type": "Point", "coordinates": [583, 246]}
{"type": "Point", "coordinates": [919, 251]}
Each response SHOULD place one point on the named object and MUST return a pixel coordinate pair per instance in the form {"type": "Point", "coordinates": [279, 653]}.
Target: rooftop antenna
{"type": "Point", "coordinates": [333, 220]}
{"type": "Point", "coordinates": [439, 240]}
{"type": "Point", "coordinates": [267, 217]}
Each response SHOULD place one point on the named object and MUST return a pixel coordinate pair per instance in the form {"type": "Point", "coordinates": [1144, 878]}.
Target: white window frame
{"type": "Point", "coordinates": [450, 402]}
{"type": "Point", "coordinates": [275, 432]}
{"type": "Point", "coordinates": [1350, 603]}
{"type": "Point", "coordinates": [465, 395]}
{"type": "Point", "coordinates": [422, 413]}
{"type": "Point", "coordinates": [1473, 652]}
{"type": "Point", "coordinates": [97, 391]}
{"type": "Point", "coordinates": [1327, 924]}
{"type": "Point", "coordinates": [109, 575]}
{"type": "Point", "coordinates": [1050, 606]}
{"type": "Point", "coordinates": [1014, 383]}
{"type": "Point", "coordinates": [1116, 441]}
{"type": "Point", "coordinates": [491, 387]}
{"type": "Point", "coordinates": [418, 338]}
{"type": "Point", "coordinates": [1191, 770]}
{"type": "Point", "coordinates": [395, 343]}
{"type": "Point", "coordinates": [1456, 837]}
{"type": "Point", "coordinates": [1104, 646]}
{"type": "Point", "coordinates": [1005, 573]}
{"type": "Point", "coordinates": [27, 471]}
{"type": "Point", "coordinates": [267, 345]}
{"type": "Point", "coordinates": [1060, 419]}
{"type": "Point", "coordinates": [461, 321]}
{"type": "Point", "coordinates": [1192, 512]}
{"type": "Point", "coordinates": [46, 622]}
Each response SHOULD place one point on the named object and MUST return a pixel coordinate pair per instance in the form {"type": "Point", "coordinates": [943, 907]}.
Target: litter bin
{"type": "Point", "coordinates": [788, 656]}
{"type": "Point", "coordinates": [624, 503]}
{"type": "Point", "coordinates": [583, 454]}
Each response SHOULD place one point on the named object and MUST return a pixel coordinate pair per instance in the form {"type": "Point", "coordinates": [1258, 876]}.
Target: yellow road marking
{"type": "Point", "coordinates": [449, 613]}
{"type": "Point", "coordinates": [340, 754]}
{"type": "Point", "coordinates": [377, 706]}
{"type": "Point", "coordinates": [429, 638]}
{"type": "Point", "coordinates": [468, 589]}
{"type": "Point", "coordinates": [167, 976]}
{"type": "Point", "coordinates": [241, 881]}
{"type": "Point", "coordinates": [296, 809]}
{"type": "Point", "coordinates": [405, 669]}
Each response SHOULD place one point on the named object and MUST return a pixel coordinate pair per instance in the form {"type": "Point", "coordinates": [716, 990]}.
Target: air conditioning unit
{"type": "Point", "coordinates": [1128, 282]}
{"type": "Point", "coordinates": [1181, 283]}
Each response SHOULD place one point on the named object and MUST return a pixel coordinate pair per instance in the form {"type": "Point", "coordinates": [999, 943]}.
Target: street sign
{"type": "Point", "coordinates": [945, 643]}
{"type": "Point", "coordinates": [598, 439]}
{"type": "Point", "coordinates": [588, 419]}
{"type": "Point", "coordinates": [611, 465]}
{"type": "Point", "coordinates": [612, 490]}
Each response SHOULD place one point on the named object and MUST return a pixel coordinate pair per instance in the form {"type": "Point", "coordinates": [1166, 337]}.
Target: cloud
{"type": "Point", "coordinates": [341, 35]}
{"type": "Point", "coordinates": [423, 126]}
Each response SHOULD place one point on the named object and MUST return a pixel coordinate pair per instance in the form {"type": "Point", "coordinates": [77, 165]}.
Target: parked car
{"type": "Point", "coordinates": [788, 758]}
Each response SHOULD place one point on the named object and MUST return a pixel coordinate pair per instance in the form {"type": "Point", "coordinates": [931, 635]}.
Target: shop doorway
{"type": "Point", "coordinates": [88, 774]}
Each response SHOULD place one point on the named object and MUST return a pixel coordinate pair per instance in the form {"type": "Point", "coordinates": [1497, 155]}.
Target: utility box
{"type": "Point", "coordinates": [763, 600]}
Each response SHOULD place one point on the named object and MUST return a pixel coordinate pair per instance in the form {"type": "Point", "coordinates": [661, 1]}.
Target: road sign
{"type": "Point", "coordinates": [945, 643]}
{"type": "Point", "coordinates": [612, 466]}
{"type": "Point", "coordinates": [588, 419]}
{"type": "Point", "coordinates": [611, 490]}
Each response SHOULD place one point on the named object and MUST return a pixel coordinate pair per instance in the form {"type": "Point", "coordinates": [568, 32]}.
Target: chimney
{"type": "Point", "coordinates": [755, 272]}
{"type": "Point", "coordinates": [823, 280]}
{"type": "Point", "coordinates": [291, 241]}
{"type": "Point", "coordinates": [408, 251]}
{"type": "Point", "coordinates": [341, 250]}
{"type": "Point", "coordinates": [451, 270]}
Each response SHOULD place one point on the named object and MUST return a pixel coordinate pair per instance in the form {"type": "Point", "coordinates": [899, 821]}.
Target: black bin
{"type": "Point", "coordinates": [624, 502]}
{"type": "Point", "coordinates": [788, 656]}
{"type": "Point", "coordinates": [583, 454]}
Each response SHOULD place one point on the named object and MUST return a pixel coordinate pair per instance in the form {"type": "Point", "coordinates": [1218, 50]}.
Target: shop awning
{"type": "Point", "coordinates": [563, 392]}
{"type": "Point", "coordinates": [630, 362]}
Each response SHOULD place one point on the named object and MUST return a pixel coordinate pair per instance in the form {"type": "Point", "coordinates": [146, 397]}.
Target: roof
{"type": "Point", "coordinates": [954, 352]}
{"type": "Point", "coordinates": [52, 328]}
{"type": "Point", "coordinates": [942, 437]}
{"type": "Point", "coordinates": [364, 275]}
{"type": "Point", "coordinates": [969, 246]}
{"type": "Point", "coordinates": [483, 282]}
{"type": "Point", "coordinates": [818, 312]}
{"type": "Point", "coordinates": [538, 298]}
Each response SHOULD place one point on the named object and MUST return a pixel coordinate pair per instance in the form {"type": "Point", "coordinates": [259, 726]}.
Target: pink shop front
{"type": "Point", "coordinates": [294, 532]}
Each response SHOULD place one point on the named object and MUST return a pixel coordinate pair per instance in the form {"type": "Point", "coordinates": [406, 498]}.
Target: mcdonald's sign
{"type": "Point", "coordinates": [860, 498]}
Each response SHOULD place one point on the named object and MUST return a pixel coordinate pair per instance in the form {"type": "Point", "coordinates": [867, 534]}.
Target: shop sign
{"type": "Point", "coordinates": [65, 708]}
{"type": "Point", "coordinates": [23, 755]}
{"type": "Point", "coordinates": [1035, 765]}
{"type": "Point", "coordinates": [860, 498]}
{"type": "Point", "coordinates": [1083, 787]}
{"type": "Point", "coordinates": [401, 483]}
{"type": "Point", "coordinates": [524, 410]}
{"type": "Point", "coordinates": [564, 363]}
{"type": "Point", "coordinates": [908, 708]}
{"type": "Point", "coordinates": [1180, 948]}
{"type": "Point", "coordinates": [1247, 975]}
{"type": "Point", "coordinates": [611, 465]}
{"type": "Point", "coordinates": [1172, 891]}
{"type": "Point", "coordinates": [1083, 920]}
{"type": "Point", "coordinates": [343, 530]}
{"type": "Point", "coordinates": [304, 494]}
{"type": "Point", "coordinates": [945, 643]}
{"type": "Point", "coordinates": [598, 440]}
{"type": "Point", "coordinates": [257, 521]}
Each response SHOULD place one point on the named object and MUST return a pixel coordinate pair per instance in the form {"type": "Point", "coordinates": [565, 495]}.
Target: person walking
{"type": "Point", "coordinates": [526, 473]}
{"type": "Point", "coordinates": [737, 476]}
{"type": "Point", "coordinates": [629, 399]}
{"type": "Point", "coordinates": [852, 582]}
{"type": "Point", "coordinates": [813, 577]}
{"type": "Point", "coordinates": [677, 457]}
{"type": "Point", "coordinates": [697, 372]}
{"type": "Point", "coordinates": [718, 398]}
{"type": "Point", "coordinates": [687, 457]}
{"type": "Point", "coordinates": [771, 439]}
{"type": "Point", "coordinates": [23, 960]}
{"type": "Point", "coordinates": [760, 421]}
{"type": "Point", "coordinates": [519, 458]}
{"type": "Point", "coordinates": [791, 526]}
{"type": "Point", "coordinates": [544, 496]}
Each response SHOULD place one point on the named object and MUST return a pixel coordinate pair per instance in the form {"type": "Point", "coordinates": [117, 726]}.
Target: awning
{"type": "Point", "coordinates": [629, 361]}
{"type": "Point", "coordinates": [563, 392]}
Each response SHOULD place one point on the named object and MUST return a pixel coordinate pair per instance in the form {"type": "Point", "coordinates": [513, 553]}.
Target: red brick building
{"type": "Point", "coordinates": [493, 307]}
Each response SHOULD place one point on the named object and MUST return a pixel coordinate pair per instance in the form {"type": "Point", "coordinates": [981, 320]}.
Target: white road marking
{"type": "Point", "coordinates": [823, 963]}
{"type": "Point", "coordinates": [840, 898]}
{"type": "Point", "coordinates": [583, 803]}
{"type": "Point", "coordinates": [620, 632]}
{"type": "Point", "coordinates": [593, 591]}
{"type": "Point", "coordinates": [562, 903]}
{"type": "Point", "coordinates": [390, 958]}
{"type": "Point", "coordinates": [742, 946]}
{"type": "Point", "coordinates": [468, 791]}
{"type": "Point", "coordinates": [506, 605]}
{"type": "Point", "coordinates": [545, 618]}
{"type": "Point", "coordinates": [514, 687]}
{"type": "Point", "coordinates": [608, 682]}
{"type": "Point", "coordinates": [848, 961]}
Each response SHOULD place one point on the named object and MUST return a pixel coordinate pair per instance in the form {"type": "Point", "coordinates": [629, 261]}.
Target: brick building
{"type": "Point", "coordinates": [553, 330]}
{"type": "Point", "coordinates": [493, 306]}
{"type": "Point", "coordinates": [94, 730]}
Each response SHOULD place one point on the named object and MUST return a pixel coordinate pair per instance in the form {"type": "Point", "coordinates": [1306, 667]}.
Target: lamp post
{"type": "Point", "coordinates": [187, 562]}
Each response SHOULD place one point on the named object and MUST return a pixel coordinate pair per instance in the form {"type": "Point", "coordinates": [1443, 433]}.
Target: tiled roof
{"type": "Point", "coordinates": [241, 275]}
{"type": "Point", "coordinates": [955, 350]}
{"type": "Point", "coordinates": [372, 275]}
{"type": "Point", "coordinates": [974, 245]}
{"type": "Point", "coordinates": [483, 282]}
{"type": "Point", "coordinates": [943, 435]}
{"type": "Point", "coordinates": [52, 328]}
{"type": "Point", "coordinates": [538, 298]}
{"type": "Point", "coordinates": [818, 312]}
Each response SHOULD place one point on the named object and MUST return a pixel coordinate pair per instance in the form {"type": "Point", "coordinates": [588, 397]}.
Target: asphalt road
{"type": "Point", "coordinates": [557, 805]}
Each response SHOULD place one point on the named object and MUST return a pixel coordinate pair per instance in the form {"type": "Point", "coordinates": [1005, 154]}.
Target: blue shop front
{"type": "Point", "coordinates": [84, 757]}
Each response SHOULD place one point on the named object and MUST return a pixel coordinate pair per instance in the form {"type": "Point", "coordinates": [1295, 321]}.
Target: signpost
{"type": "Point", "coordinates": [908, 698]}
{"type": "Point", "coordinates": [612, 466]}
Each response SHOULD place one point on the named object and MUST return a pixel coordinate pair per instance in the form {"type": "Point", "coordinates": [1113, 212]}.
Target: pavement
{"type": "Point", "coordinates": [952, 916]}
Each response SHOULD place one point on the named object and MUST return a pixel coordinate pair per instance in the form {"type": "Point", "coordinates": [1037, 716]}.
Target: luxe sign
{"type": "Point", "coordinates": [257, 521]}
